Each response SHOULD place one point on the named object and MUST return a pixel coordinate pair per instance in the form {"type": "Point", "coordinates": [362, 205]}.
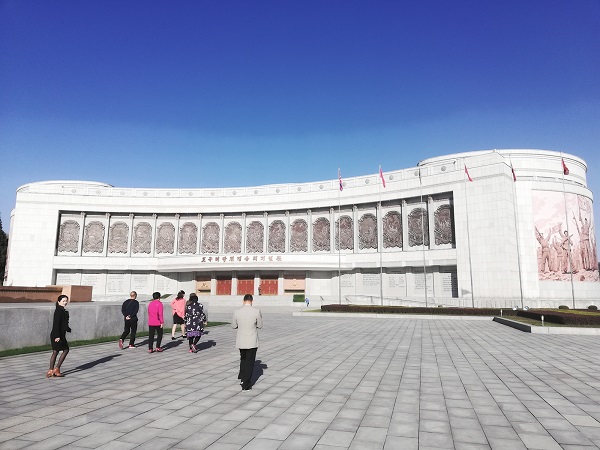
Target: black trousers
{"type": "Point", "coordinates": [247, 359]}
{"type": "Point", "coordinates": [130, 327]}
{"type": "Point", "coordinates": [159, 334]}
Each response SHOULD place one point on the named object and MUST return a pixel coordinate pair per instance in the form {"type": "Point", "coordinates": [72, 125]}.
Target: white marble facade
{"type": "Point", "coordinates": [430, 236]}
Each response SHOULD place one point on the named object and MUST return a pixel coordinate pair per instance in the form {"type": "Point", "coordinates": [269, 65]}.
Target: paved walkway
{"type": "Point", "coordinates": [323, 384]}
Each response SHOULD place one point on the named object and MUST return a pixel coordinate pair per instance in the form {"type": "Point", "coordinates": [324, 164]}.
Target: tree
{"type": "Point", "coordinates": [3, 252]}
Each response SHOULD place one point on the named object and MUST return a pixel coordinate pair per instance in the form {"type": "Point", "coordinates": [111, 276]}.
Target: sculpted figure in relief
{"type": "Point", "coordinates": [321, 235]}
{"type": "Point", "coordinates": [344, 233]}
{"type": "Point", "coordinates": [233, 238]}
{"type": "Point", "coordinates": [118, 237]}
{"type": "Point", "coordinates": [299, 236]}
{"type": "Point", "coordinates": [142, 237]}
{"type": "Point", "coordinates": [367, 231]}
{"type": "Point", "coordinates": [210, 238]}
{"type": "Point", "coordinates": [165, 238]}
{"type": "Point", "coordinates": [277, 237]}
{"type": "Point", "coordinates": [93, 237]}
{"type": "Point", "coordinates": [392, 230]}
{"type": "Point", "coordinates": [443, 225]}
{"type": "Point", "coordinates": [68, 237]}
{"type": "Point", "coordinates": [188, 238]}
{"type": "Point", "coordinates": [255, 237]}
{"type": "Point", "coordinates": [418, 227]}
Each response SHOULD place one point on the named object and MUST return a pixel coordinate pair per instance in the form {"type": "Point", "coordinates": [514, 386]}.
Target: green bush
{"type": "Point", "coordinates": [573, 317]}
{"type": "Point", "coordinates": [448, 311]}
{"type": "Point", "coordinates": [299, 298]}
{"type": "Point", "coordinates": [563, 307]}
{"type": "Point", "coordinates": [593, 308]}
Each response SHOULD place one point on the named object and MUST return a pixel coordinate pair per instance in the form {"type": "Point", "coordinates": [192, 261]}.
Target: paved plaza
{"type": "Point", "coordinates": [323, 383]}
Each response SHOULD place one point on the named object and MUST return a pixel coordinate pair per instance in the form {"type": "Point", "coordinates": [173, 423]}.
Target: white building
{"type": "Point", "coordinates": [489, 241]}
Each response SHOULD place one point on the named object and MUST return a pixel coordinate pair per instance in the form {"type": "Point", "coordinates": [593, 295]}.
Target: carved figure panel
{"type": "Point", "coordinates": [93, 237]}
{"type": "Point", "coordinates": [344, 233]}
{"type": "Point", "coordinates": [188, 238]}
{"type": "Point", "coordinates": [418, 227]}
{"type": "Point", "coordinates": [68, 236]}
{"type": "Point", "coordinates": [210, 238]}
{"type": "Point", "coordinates": [321, 235]}
{"type": "Point", "coordinates": [118, 237]}
{"type": "Point", "coordinates": [443, 225]}
{"type": "Point", "coordinates": [392, 230]}
{"type": "Point", "coordinates": [367, 231]}
{"type": "Point", "coordinates": [277, 237]}
{"type": "Point", "coordinates": [142, 238]}
{"type": "Point", "coordinates": [299, 236]}
{"type": "Point", "coordinates": [233, 238]}
{"type": "Point", "coordinates": [255, 237]}
{"type": "Point", "coordinates": [165, 238]}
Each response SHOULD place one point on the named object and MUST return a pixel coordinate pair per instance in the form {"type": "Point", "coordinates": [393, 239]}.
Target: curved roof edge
{"type": "Point", "coordinates": [65, 183]}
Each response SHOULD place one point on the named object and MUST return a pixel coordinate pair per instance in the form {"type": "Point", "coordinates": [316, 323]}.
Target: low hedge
{"type": "Point", "coordinates": [418, 310]}
{"type": "Point", "coordinates": [574, 317]}
{"type": "Point", "coordinates": [298, 298]}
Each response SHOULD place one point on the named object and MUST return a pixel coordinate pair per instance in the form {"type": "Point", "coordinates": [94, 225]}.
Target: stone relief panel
{"type": "Point", "coordinates": [233, 238]}
{"type": "Point", "coordinates": [392, 230]}
{"type": "Point", "coordinates": [118, 237]}
{"type": "Point", "coordinates": [442, 219]}
{"type": "Point", "coordinates": [255, 237]}
{"type": "Point", "coordinates": [321, 235]}
{"type": "Point", "coordinates": [210, 238]}
{"type": "Point", "coordinates": [299, 236]}
{"type": "Point", "coordinates": [93, 237]}
{"type": "Point", "coordinates": [142, 238]}
{"type": "Point", "coordinates": [68, 236]}
{"type": "Point", "coordinates": [344, 233]}
{"type": "Point", "coordinates": [188, 238]}
{"type": "Point", "coordinates": [367, 231]}
{"type": "Point", "coordinates": [165, 238]}
{"type": "Point", "coordinates": [277, 237]}
{"type": "Point", "coordinates": [418, 227]}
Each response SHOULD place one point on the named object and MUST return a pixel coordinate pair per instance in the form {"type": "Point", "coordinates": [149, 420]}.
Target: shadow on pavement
{"type": "Point", "coordinates": [90, 364]}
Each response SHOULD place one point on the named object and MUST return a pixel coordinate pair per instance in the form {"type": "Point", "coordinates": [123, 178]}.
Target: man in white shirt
{"type": "Point", "coordinates": [247, 320]}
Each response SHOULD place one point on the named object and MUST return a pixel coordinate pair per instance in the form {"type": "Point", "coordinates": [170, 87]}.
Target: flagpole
{"type": "Point", "coordinates": [380, 248]}
{"type": "Point", "coordinates": [469, 238]}
{"type": "Point", "coordinates": [517, 230]}
{"type": "Point", "coordinates": [423, 237]}
{"type": "Point", "coordinates": [339, 241]}
{"type": "Point", "coordinates": [568, 233]}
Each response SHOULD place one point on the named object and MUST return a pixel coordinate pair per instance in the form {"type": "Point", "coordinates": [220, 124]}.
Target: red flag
{"type": "Point", "coordinates": [467, 172]}
{"type": "Point", "coordinates": [513, 172]}
{"type": "Point", "coordinates": [340, 178]}
{"type": "Point", "coordinates": [381, 176]}
{"type": "Point", "coordinates": [565, 168]}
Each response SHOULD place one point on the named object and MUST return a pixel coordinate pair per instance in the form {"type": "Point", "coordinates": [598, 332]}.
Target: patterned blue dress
{"type": "Point", "coordinates": [194, 319]}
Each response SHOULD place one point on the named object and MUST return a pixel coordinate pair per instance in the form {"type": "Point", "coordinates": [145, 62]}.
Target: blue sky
{"type": "Point", "coordinates": [235, 93]}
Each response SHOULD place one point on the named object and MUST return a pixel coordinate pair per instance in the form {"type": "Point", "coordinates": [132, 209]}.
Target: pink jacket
{"type": "Point", "coordinates": [178, 307]}
{"type": "Point", "coordinates": [155, 313]}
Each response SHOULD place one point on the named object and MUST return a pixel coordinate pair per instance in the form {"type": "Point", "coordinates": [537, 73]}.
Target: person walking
{"type": "Point", "coordinates": [129, 309]}
{"type": "Point", "coordinates": [58, 339]}
{"type": "Point", "coordinates": [156, 321]}
{"type": "Point", "coordinates": [247, 320]}
{"type": "Point", "coordinates": [178, 309]}
{"type": "Point", "coordinates": [195, 321]}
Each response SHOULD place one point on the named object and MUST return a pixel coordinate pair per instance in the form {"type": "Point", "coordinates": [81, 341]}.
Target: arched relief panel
{"type": "Point", "coordinates": [142, 238]}
{"type": "Point", "coordinates": [210, 238]}
{"type": "Point", "coordinates": [93, 237]}
{"type": "Point", "coordinates": [344, 233]}
{"type": "Point", "coordinates": [321, 235]}
{"type": "Point", "coordinates": [392, 230]}
{"type": "Point", "coordinates": [367, 231]}
{"type": "Point", "coordinates": [188, 238]}
{"type": "Point", "coordinates": [443, 225]}
{"type": "Point", "coordinates": [165, 238]}
{"type": "Point", "coordinates": [255, 237]}
{"type": "Point", "coordinates": [299, 236]}
{"type": "Point", "coordinates": [118, 238]}
{"type": "Point", "coordinates": [277, 237]}
{"type": "Point", "coordinates": [418, 227]}
{"type": "Point", "coordinates": [233, 238]}
{"type": "Point", "coordinates": [68, 236]}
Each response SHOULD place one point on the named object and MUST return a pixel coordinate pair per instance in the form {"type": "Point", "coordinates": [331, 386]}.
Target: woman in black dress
{"type": "Point", "coordinates": [195, 321]}
{"type": "Point", "coordinates": [60, 326]}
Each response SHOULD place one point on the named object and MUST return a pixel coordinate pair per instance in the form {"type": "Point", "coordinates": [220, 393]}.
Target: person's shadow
{"type": "Point", "coordinates": [258, 371]}
{"type": "Point", "coordinates": [205, 345]}
{"type": "Point", "coordinates": [171, 344]}
{"type": "Point", "coordinates": [91, 364]}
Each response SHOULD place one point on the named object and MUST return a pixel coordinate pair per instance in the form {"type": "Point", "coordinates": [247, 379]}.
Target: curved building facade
{"type": "Point", "coordinates": [486, 228]}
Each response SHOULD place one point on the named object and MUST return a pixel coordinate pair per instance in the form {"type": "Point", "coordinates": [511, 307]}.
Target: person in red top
{"type": "Point", "coordinates": [155, 322]}
{"type": "Point", "coordinates": [178, 309]}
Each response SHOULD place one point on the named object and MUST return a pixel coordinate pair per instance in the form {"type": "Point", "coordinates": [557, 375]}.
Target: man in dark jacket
{"type": "Point", "coordinates": [130, 309]}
